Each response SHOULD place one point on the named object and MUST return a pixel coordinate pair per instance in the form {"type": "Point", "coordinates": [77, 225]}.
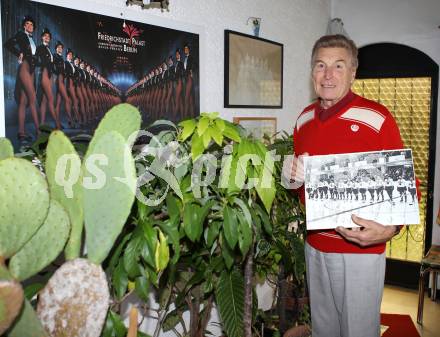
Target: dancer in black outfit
{"type": "Point", "coordinates": [179, 73]}
{"type": "Point", "coordinates": [23, 46]}
{"type": "Point", "coordinates": [45, 62]}
{"type": "Point", "coordinates": [188, 65]}
{"type": "Point", "coordinates": [77, 78]}
{"type": "Point", "coordinates": [60, 71]}
{"type": "Point", "coordinates": [70, 85]}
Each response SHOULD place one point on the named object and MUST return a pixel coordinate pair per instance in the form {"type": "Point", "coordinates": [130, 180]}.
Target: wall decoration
{"type": "Point", "coordinates": [253, 72]}
{"type": "Point", "coordinates": [91, 63]}
{"type": "Point", "coordinates": [262, 128]}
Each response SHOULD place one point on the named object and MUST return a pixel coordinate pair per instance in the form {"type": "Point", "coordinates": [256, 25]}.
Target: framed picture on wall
{"type": "Point", "coordinates": [261, 128]}
{"type": "Point", "coordinates": [253, 72]}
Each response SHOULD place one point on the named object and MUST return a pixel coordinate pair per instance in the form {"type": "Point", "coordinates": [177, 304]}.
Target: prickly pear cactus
{"type": "Point", "coordinates": [6, 149]}
{"type": "Point", "coordinates": [27, 324]}
{"type": "Point", "coordinates": [44, 246]}
{"type": "Point", "coordinates": [24, 203]}
{"type": "Point", "coordinates": [123, 118]}
{"type": "Point", "coordinates": [11, 299]}
{"type": "Point", "coordinates": [107, 207]}
{"type": "Point", "coordinates": [75, 300]}
{"type": "Point", "coordinates": [63, 171]}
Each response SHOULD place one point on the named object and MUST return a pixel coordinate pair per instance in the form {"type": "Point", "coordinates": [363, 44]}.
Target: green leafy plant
{"type": "Point", "coordinates": [192, 228]}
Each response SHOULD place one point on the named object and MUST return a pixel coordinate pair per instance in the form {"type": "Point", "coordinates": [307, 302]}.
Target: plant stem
{"type": "Point", "coordinates": [248, 273]}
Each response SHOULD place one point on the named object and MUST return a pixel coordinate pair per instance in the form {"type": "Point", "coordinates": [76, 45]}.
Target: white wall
{"type": "Point", "coordinates": [295, 23]}
{"type": "Point", "coordinates": [410, 22]}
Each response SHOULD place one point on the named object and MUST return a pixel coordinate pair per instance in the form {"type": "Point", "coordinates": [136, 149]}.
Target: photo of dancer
{"type": "Point", "coordinates": [64, 69]}
{"type": "Point", "coordinates": [378, 186]}
{"type": "Point", "coordinates": [23, 46]}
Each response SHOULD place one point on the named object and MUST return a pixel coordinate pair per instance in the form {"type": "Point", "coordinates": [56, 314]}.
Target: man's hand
{"type": "Point", "coordinates": [20, 58]}
{"type": "Point", "coordinates": [297, 172]}
{"type": "Point", "coordinates": [370, 233]}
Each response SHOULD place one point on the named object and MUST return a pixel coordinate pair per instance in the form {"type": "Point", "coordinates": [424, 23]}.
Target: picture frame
{"type": "Point", "coordinates": [253, 72]}
{"type": "Point", "coordinates": [258, 127]}
{"type": "Point", "coordinates": [374, 185]}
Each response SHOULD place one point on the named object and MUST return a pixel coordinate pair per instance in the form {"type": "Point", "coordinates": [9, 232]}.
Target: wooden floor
{"type": "Point", "coordinates": [404, 301]}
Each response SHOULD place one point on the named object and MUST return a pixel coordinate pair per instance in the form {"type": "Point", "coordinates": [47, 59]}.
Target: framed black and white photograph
{"type": "Point", "coordinates": [378, 186]}
{"type": "Point", "coordinates": [253, 72]}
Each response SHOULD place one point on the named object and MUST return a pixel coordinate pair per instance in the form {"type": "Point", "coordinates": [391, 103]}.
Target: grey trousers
{"type": "Point", "coordinates": [345, 293]}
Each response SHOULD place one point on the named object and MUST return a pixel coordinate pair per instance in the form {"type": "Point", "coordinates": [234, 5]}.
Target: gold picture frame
{"type": "Point", "coordinates": [261, 128]}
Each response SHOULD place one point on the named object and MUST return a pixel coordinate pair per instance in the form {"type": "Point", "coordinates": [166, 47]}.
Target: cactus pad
{"type": "Point", "coordinates": [69, 192]}
{"type": "Point", "coordinates": [123, 118]}
{"type": "Point", "coordinates": [44, 246]}
{"type": "Point", "coordinates": [106, 209]}
{"type": "Point", "coordinates": [75, 300]}
{"type": "Point", "coordinates": [27, 324]}
{"type": "Point", "coordinates": [6, 149]}
{"type": "Point", "coordinates": [24, 203]}
{"type": "Point", "coordinates": [11, 299]}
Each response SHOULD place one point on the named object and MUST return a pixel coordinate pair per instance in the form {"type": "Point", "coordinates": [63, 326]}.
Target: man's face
{"type": "Point", "coordinates": [60, 49]}
{"type": "Point", "coordinates": [186, 50]}
{"type": "Point", "coordinates": [45, 38]}
{"type": "Point", "coordinates": [332, 74]}
{"type": "Point", "coordinates": [29, 26]}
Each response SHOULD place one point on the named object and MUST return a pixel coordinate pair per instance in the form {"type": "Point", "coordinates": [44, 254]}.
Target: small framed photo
{"type": "Point", "coordinates": [377, 186]}
{"type": "Point", "coordinates": [253, 72]}
{"type": "Point", "coordinates": [261, 128]}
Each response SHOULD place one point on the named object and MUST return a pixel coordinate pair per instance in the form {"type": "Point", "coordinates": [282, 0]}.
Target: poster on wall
{"type": "Point", "coordinates": [65, 68]}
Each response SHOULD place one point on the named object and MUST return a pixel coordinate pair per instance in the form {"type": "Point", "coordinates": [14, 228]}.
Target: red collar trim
{"type": "Point", "coordinates": [325, 114]}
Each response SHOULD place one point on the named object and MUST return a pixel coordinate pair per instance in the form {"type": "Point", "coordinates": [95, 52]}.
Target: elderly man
{"type": "Point", "coordinates": [345, 268]}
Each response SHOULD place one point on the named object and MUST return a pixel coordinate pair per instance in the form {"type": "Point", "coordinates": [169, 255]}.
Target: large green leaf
{"type": "Point", "coordinates": [6, 148]}
{"type": "Point", "coordinates": [227, 252]}
{"type": "Point", "coordinates": [171, 320]}
{"type": "Point", "coordinates": [188, 129]}
{"type": "Point", "coordinates": [203, 125]}
{"type": "Point", "coordinates": [211, 233]}
{"type": "Point", "coordinates": [172, 230]}
{"type": "Point", "coordinates": [24, 203]}
{"type": "Point", "coordinates": [27, 324]}
{"type": "Point", "coordinates": [216, 134]}
{"type": "Point", "coordinates": [108, 201]}
{"type": "Point", "coordinates": [232, 185]}
{"type": "Point", "coordinates": [190, 223]}
{"type": "Point", "coordinates": [44, 247]}
{"type": "Point", "coordinates": [173, 208]}
{"type": "Point", "coordinates": [230, 226]}
{"type": "Point", "coordinates": [124, 119]}
{"type": "Point", "coordinates": [162, 254]}
{"type": "Point", "coordinates": [229, 296]}
{"type": "Point", "coordinates": [266, 189]}
{"type": "Point", "coordinates": [245, 236]}
{"type": "Point", "coordinates": [120, 280]}
{"type": "Point", "coordinates": [197, 147]}
{"type": "Point", "coordinates": [131, 256]}
{"type": "Point", "coordinates": [142, 287]}
{"type": "Point", "coordinates": [63, 171]}
{"type": "Point", "coordinates": [231, 132]}
{"type": "Point", "coordinates": [149, 247]}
